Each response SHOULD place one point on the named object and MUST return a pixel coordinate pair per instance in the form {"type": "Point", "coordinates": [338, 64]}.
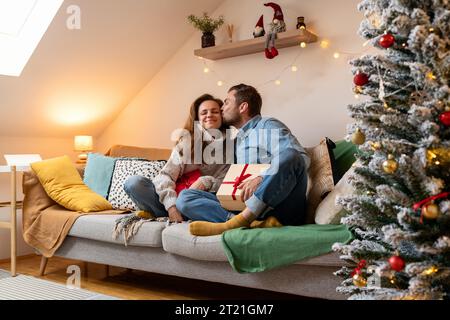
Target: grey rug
{"type": "Point", "coordinates": [24, 287]}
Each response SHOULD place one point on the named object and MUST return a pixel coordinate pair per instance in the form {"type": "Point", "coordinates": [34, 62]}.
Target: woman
{"type": "Point", "coordinates": [158, 197]}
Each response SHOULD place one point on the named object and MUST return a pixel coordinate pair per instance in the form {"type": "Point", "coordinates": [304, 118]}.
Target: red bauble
{"type": "Point", "coordinates": [361, 79]}
{"type": "Point", "coordinates": [387, 40]}
{"type": "Point", "coordinates": [397, 263]}
{"type": "Point", "coordinates": [444, 118]}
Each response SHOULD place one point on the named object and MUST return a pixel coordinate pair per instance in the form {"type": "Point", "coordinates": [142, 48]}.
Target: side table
{"type": "Point", "coordinates": [14, 205]}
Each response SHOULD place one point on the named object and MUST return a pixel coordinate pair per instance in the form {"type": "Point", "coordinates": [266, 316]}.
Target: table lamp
{"type": "Point", "coordinates": [83, 144]}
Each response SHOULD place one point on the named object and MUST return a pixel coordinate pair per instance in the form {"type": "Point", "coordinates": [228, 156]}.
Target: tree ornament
{"type": "Point", "coordinates": [438, 157]}
{"type": "Point", "coordinates": [396, 263]}
{"type": "Point", "coordinates": [431, 211]}
{"type": "Point", "coordinates": [359, 280]}
{"type": "Point", "coordinates": [444, 118]}
{"type": "Point", "coordinates": [358, 137]}
{"type": "Point", "coordinates": [361, 79]}
{"type": "Point", "coordinates": [259, 28]}
{"type": "Point", "coordinates": [387, 40]}
{"type": "Point", "coordinates": [390, 165]}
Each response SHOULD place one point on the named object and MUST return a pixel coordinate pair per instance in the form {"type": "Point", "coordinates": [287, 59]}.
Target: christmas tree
{"type": "Point", "coordinates": [400, 210]}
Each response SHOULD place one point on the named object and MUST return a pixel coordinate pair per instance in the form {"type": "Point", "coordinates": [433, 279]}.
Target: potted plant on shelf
{"type": "Point", "coordinates": [208, 26]}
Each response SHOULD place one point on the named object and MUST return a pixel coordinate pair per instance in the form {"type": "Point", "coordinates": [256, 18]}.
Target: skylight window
{"type": "Point", "coordinates": [22, 25]}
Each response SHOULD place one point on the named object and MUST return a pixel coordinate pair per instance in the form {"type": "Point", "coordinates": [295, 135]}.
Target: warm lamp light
{"type": "Point", "coordinates": [83, 144]}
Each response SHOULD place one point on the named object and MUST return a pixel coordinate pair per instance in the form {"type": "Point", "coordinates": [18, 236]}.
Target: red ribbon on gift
{"type": "Point", "coordinates": [242, 177]}
{"type": "Point", "coordinates": [418, 205]}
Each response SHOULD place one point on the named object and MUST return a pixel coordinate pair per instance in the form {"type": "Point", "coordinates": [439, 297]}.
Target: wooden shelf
{"type": "Point", "coordinates": [240, 48]}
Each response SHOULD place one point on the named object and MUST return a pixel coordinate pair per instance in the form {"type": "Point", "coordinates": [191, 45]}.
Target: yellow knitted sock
{"type": "Point", "coordinates": [270, 222]}
{"type": "Point", "coordinates": [145, 215]}
{"type": "Point", "coordinates": [203, 228]}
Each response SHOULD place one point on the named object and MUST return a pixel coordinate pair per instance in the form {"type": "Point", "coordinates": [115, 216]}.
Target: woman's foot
{"type": "Point", "coordinates": [270, 222]}
{"type": "Point", "coordinates": [203, 228]}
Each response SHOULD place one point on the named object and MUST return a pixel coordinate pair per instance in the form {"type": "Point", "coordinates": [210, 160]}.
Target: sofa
{"type": "Point", "coordinates": [172, 250]}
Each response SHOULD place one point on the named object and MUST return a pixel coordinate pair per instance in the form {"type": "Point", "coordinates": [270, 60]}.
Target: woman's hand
{"type": "Point", "coordinates": [249, 187]}
{"type": "Point", "coordinates": [174, 215]}
{"type": "Point", "coordinates": [198, 185]}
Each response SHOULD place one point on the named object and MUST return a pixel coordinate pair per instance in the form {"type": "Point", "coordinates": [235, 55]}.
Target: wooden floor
{"type": "Point", "coordinates": [139, 285]}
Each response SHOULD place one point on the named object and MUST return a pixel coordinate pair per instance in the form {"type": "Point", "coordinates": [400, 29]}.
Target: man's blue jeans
{"type": "Point", "coordinates": [282, 195]}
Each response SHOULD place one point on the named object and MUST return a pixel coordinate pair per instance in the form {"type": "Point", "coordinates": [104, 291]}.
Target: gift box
{"type": "Point", "coordinates": [228, 194]}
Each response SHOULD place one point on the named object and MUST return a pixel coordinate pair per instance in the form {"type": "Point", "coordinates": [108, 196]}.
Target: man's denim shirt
{"type": "Point", "coordinates": [262, 140]}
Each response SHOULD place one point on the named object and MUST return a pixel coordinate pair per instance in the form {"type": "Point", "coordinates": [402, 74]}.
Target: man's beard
{"type": "Point", "coordinates": [232, 121]}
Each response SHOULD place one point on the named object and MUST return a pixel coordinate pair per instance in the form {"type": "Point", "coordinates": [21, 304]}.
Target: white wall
{"type": "Point", "coordinates": [312, 102]}
{"type": "Point", "coordinates": [47, 148]}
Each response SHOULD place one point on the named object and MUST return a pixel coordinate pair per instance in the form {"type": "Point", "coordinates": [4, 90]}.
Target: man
{"type": "Point", "coordinates": [279, 197]}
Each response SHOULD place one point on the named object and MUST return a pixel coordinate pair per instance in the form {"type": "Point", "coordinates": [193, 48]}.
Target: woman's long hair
{"type": "Point", "coordinates": [193, 117]}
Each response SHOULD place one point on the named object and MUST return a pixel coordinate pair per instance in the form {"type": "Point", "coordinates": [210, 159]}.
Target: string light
{"type": "Point", "coordinates": [278, 82]}
{"type": "Point", "coordinates": [220, 83]}
{"type": "Point", "coordinates": [303, 44]}
{"type": "Point", "coordinates": [356, 96]}
{"type": "Point", "coordinates": [294, 68]}
{"type": "Point", "coordinates": [206, 70]}
{"type": "Point", "coordinates": [336, 55]}
{"type": "Point", "coordinates": [430, 271]}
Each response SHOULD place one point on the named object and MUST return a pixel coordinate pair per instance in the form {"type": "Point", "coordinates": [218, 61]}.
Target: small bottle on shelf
{"type": "Point", "coordinates": [301, 23]}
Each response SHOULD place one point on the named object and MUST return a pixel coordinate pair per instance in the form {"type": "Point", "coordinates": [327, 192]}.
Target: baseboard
{"type": "Point", "coordinates": [19, 258]}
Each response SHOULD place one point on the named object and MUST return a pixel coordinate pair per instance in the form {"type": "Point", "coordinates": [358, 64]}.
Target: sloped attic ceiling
{"type": "Point", "coordinates": [77, 81]}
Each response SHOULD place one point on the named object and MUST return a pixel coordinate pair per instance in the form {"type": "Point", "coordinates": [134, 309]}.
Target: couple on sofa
{"type": "Point", "coordinates": [271, 200]}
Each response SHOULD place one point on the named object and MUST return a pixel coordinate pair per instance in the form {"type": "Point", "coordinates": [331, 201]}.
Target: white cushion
{"type": "Point", "coordinates": [328, 211]}
{"type": "Point", "coordinates": [124, 169]}
{"type": "Point", "coordinates": [100, 227]}
{"type": "Point", "coordinates": [177, 239]}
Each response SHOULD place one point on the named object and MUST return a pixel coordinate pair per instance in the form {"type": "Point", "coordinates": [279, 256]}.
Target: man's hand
{"type": "Point", "coordinates": [174, 215]}
{"type": "Point", "coordinates": [198, 185]}
{"type": "Point", "coordinates": [248, 188]}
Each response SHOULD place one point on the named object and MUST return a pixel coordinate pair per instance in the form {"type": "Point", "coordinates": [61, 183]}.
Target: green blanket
{"type": "Point", "coordinates": [256, 250]}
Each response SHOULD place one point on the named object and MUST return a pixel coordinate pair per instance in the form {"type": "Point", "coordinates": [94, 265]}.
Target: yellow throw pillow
{"type": "Point", "coordinates": [64, 185]}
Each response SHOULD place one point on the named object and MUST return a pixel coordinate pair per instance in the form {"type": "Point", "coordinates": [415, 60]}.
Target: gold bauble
{"type": "Point", "coordinates": [359, 280]}
{"type": "Point", "coordinates": [438, 157]}
{"type": "Point", "coordinates": [390, 165]}
{"type": "Point", "coordinates": [358, 137]}
{"type": "Point", "coordinates": [431, 211]}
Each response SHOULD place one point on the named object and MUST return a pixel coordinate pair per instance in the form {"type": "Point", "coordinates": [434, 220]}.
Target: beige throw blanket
{"type": "Point", "coordinates": [45, 223]}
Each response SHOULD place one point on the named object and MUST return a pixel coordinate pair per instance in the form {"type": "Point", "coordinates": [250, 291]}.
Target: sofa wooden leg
{"type": "Point", "coordinates": [43, 265]}
{"type": "Point", "coordinates": [107, 270]}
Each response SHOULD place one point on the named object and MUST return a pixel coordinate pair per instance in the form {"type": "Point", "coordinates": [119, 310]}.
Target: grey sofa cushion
{"type": "Point", "coordinates": [178, 240]}
{"type": "Point", "coordinates": [100, 227]}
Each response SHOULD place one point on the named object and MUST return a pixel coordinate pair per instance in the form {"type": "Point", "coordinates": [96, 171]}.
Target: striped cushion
{"type": "Point", "coordinates": [320, 177]}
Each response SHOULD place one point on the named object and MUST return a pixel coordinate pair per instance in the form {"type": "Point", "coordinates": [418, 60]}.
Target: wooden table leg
{"type": "Point", "coordinates": [13, 222]}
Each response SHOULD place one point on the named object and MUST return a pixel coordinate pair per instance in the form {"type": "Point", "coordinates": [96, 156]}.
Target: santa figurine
{"type": "Point", "coordinates": [277, 25]}
{"type": "Point", "coordinates": [259, 28]}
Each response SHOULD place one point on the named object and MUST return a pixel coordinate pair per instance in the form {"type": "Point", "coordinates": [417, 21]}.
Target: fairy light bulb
{"type": "Point", "coordinates": [220, 83]}
{"type": "Point", "coordinates": [324, 44]}
{"type": "Point", "coordinates": [336, 55]}
{"type": "Point", "coordinates": [303, 44]}
{"type": "Point", "coordinates": [294, 68]}
{"type": "Point", "coordinates": [277, 82]}
{"type": "Point", "coordinates": [206, 70]}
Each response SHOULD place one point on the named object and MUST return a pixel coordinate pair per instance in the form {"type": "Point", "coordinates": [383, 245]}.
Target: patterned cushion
{"type": "Point", "coordinates": [124, 169]}
{"type": "Point", "coordinates": [320, 176]}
